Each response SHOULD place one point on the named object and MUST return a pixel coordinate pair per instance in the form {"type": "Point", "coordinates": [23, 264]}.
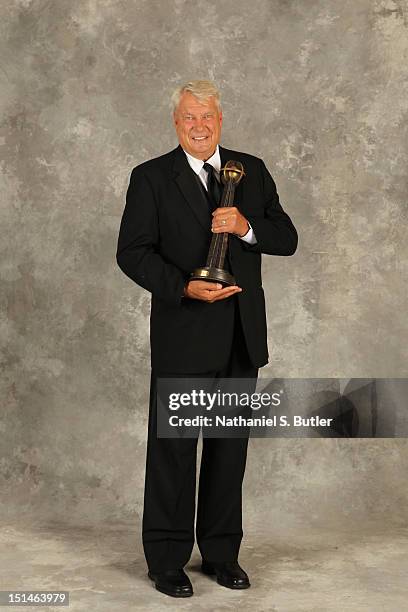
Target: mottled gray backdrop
{"type": "Point", "coordinates": [319, 90]}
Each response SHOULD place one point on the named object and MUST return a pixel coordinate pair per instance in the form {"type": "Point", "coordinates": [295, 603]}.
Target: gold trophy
{"type": "Point", "coordinates": [214, 271]}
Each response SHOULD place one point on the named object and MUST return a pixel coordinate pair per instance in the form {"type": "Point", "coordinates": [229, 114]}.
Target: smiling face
{"type": "Point", "coordinates": [198, 125]}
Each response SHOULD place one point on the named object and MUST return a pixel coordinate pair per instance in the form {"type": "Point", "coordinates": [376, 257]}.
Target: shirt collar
{"type": "Point", "coordinates": [197, 164]}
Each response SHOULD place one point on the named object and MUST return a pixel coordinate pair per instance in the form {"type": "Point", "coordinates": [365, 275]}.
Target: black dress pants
{"type": "Point", "coordinates": [170, 483]}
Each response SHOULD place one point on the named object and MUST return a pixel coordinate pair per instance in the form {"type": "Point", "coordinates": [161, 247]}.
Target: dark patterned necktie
{"type": "Point", "coordinates": [214, 191]}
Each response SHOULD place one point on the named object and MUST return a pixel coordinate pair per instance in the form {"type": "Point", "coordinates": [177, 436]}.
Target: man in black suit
{"type": "Point", "coordinates": [199, 328]}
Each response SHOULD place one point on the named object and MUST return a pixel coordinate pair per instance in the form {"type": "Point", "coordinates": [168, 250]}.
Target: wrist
{"type": "Point", "coordinates": [245, 231]}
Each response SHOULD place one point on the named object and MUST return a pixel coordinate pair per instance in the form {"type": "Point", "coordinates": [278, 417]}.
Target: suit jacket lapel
{"type": "Point", "coordinates": [190, 189]}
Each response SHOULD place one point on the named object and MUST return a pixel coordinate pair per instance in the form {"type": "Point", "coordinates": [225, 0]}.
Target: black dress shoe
{"type": "Point", "coordinates": [229, 574]}
{"type": "Point", "coordinates": [172, 582]}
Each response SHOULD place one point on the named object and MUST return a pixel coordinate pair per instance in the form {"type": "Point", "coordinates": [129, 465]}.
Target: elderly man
{"type": "Point", "coordinates": [199, 328]}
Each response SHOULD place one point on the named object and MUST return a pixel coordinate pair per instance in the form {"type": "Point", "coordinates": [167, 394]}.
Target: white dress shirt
{"type": "Point", "coordinates": [215, 161]}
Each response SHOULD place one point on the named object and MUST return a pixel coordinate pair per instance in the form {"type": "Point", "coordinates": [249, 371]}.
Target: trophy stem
{"type": "Point", "coordinates": [218, 250]}
{"type": "Point", "coordinates": [214, 268]}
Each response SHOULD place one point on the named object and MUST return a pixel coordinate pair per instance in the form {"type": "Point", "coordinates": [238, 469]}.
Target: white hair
{"type": "Point", "coordinates": [202, 90]}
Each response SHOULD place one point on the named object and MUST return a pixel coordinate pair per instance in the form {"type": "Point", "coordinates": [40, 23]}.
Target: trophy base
{"type": "Point", "coordinates": [215, 275]}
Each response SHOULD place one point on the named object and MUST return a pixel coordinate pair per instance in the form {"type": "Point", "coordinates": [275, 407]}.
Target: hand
{"type": "Point", "coordinates": [229, 219]}
{"type": "Point", "coordinates": [209, 292]}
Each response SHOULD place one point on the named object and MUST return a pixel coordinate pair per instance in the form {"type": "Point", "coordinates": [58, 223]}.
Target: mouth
{"type": "Point", "coordinates": [199, 138]}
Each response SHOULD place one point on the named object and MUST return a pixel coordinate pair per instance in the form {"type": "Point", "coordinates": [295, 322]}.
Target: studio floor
{"type": "Point", "coordinates": [104, 570]}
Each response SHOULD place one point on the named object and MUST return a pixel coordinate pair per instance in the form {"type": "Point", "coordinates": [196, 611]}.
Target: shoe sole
{"type": "Point", "coordinates": [211, 572]}
{"type": "Point", "coordinates": [168, 592]}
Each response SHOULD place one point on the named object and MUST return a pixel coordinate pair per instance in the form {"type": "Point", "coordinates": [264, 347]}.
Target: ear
{"type": "Point", "coordinates": [174, 118]}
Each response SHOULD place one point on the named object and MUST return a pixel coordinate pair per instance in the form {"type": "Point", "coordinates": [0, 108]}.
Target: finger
{"type": "Point", "coordinates": [203, 284]}
{"type": "Point", "coordinates": [225, 209]}
{"type": "Point", "coordinates": [206, 292]}
{"type": "Point", "coordinates": [216, 293]}
{"type": "Point", "coordinates": [223, 223]}
{"type": "Point", "coordinates": [228, 288]}
{"type": "Point", "coordinates": [221, 229]}
{"type": "Point", "coordinates": [226, 222]}
{"type": "Point", "coordinates": [211, 296]}
{"type": "Point", "coordinates": [226, 292]}
{"type": "Point", "coordinates": [225, 215]}
{"type": "Point", "coordinates": [225, 296]}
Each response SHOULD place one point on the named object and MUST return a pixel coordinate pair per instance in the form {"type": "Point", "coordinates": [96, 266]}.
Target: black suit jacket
{"type": "Point", "coordinates": [165, 233]}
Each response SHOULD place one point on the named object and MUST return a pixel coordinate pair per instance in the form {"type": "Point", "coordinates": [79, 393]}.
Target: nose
{"type": "Point", "coordinates": [198, 122]}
